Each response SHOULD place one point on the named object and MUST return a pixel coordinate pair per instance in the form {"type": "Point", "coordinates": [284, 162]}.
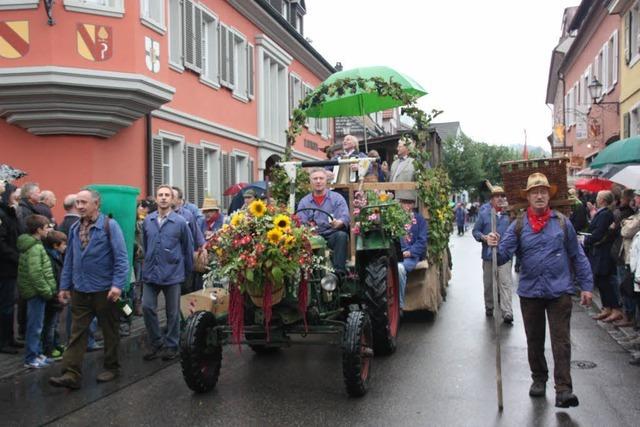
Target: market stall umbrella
{"type": "Point", "coordinates": [233, 190]}
{"type": "Point", "coordinates": [8, 173]}
{"type": "Point", "coordinates": [620, 152]}
{"type": "Point", "coordinates": [362, 102]}
{"type": "Point", "coordinates": [593, 184]}
{"type": "Point", "coordinates": [629, 177]}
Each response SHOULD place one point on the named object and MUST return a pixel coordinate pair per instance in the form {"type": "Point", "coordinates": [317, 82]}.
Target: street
{"type": "Point", "coordinates": [443, 373]}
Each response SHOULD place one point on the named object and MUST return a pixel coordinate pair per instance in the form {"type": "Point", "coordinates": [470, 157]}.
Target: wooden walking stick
{"type": "Point", "coordinates": [496, 304]}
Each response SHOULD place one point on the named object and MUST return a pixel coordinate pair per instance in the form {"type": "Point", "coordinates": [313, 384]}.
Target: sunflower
{"type": "Point", "coordinates": [274, 235]}
{"type": "Point", "coordinates": [257, 208]}
{"type": "Point", "coordinates": [383, 197]}
{"type": "Point", "coordinates": [282, 221]}
{"type": "Point", "coordinates": [236, 219]}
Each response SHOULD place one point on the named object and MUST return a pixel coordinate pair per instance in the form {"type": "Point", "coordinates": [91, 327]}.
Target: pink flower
{"type": "Point", "coordinates": [356, 211]}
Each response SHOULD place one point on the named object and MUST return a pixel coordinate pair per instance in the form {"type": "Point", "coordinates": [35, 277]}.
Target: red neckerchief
{"type": "Point", "coordinates": [319, 199]}
{"type": "Point", "coordinates": [212, 220]}
{"type": "Point", "coordinates": [536, 221]}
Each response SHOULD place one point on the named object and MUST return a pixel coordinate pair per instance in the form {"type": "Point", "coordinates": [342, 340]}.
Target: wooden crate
{"type": "Point", "coordinates": [515, 174]}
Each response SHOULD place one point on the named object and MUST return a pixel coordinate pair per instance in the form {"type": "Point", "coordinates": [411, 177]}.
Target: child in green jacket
{"type": "Point", "coordinates": [36, 284]}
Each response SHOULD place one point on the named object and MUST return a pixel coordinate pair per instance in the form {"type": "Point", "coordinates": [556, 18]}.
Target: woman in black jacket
{"type": "Point", "coordinates": [8, 268]}
{"type": "Point", "coordinates": [598, 247]}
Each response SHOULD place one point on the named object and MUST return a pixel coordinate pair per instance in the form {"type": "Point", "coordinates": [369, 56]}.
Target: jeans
{"type": "Point", "coordinates": [49, 328]}
{"type": "Point", "coordinates": [558, 311]}
{"type": "Point", "coordinates": [405, 267]}
{"type": "Point", "coordinates": [150, 313]}
{"type": "Point", "coordinates": [33, 334]}
{"type": "Point", "coordinates": [7, 302]}
{"type": "Point", "coordinates": [337, 242]}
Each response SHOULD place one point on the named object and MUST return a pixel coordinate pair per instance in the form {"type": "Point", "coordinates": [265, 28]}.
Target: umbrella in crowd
{"type": "Point", "coordinates": [624, 151]}
{"type": "Point", "coordinates": [593, 184]}
{"type": "Point", "coordinates": [363, 102]}
{"type": "Point", "coordinates": [234, 189]}
{"type": "Point", "coordinates": [8, 173]}
{"type": "Point", "coordinates": [629, 177]}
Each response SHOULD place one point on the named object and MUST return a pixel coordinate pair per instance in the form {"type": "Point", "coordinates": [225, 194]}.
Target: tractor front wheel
{"type": "Point", "coordinates": [382, 290]}
{"type": "Point", "coordinates": [199, 358]}
{"type": "Point", "coordinates": [357, 352]}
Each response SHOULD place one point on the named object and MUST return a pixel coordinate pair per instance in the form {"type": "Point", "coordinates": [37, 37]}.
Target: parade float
{"type": "Point", "coordinates": [276, 283]}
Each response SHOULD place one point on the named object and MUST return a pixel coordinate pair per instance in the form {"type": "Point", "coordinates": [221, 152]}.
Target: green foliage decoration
{"type": "Point", "coordinates": [434, 185]}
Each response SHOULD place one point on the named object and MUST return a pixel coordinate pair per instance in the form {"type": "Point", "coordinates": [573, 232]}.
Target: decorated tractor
{"type": "Point", "coordinates": [269, 308]}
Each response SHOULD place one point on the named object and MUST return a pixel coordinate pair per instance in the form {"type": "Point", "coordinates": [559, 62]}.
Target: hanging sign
{"type": "Point", "coordinates": [95, 42]}
{"type": "Point", "coordinates": [152, 54]}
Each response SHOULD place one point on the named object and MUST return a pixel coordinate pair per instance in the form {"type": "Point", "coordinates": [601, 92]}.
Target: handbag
{"type": "Point", "coordinates": [201, 261]}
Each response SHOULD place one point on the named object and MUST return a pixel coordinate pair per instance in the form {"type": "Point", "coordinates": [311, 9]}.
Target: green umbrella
{"type": "Point", "coordinates": [620, 152]}
{"type": "Point", "coordinates": [361, 102]}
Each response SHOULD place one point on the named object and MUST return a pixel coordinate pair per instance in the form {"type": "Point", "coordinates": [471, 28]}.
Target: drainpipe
{"type": "Point", "coordinates": [564, 115]}
{"type": "Point", "coordinates": [149, 153]}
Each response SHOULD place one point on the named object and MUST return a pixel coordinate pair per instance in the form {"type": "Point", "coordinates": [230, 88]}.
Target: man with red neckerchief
{"type": "Point", "coordinates": [548, 247]}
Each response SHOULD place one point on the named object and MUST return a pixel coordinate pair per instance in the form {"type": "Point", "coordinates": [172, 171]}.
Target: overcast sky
{"type": "Point", "coordinates": [485, 63]}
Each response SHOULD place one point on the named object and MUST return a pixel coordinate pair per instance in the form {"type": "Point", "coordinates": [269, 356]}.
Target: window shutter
{"type": "Point", "coordinates": [199, 173]}
{"type": "Point", "coordinates": [189, 34]}
{"type": "Point", "coordinates": [231, 54]}
{"type": "Point", "coordinates": [233, 169]}
{"type": "Point", "coordinates": [626, 124]}
{"type": "Point", "coordinates": [156, 165]}
{"type": "Point", "coordinates": [224, 55]}
{"type": "Point", "coordinates": [189, 173]}
{"type": "Point", "coordinates": [197, 38]}
{"type": "Point", "coordinates": [226, 178]}
{"type": "Point", "coordinates": [250, 70]}
{"type": "Point", "coordinates": [616, 58]}
{"type": "Point", "coordinates": [291, 89]}
{"type": "Point", "coordinates": [627, 38]}
{"type": "Point", "coordinates": [250, 171]}
{"type": "Point", "coordinates": [175, 31]}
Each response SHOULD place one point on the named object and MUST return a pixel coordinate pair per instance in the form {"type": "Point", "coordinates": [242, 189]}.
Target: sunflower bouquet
{"type": "Point", "coordinates": [378, 210]}
{"type": "Point", "coordinates": [261, 245]}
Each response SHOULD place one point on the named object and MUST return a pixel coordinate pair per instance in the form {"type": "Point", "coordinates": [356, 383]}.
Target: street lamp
{"type": "Point", "coordinates": [595, 91]}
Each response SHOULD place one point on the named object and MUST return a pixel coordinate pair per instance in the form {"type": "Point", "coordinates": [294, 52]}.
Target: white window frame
{"type": "Point", "coordinates": [634, 120]}
{"type": "Point", "coordinates": [613, 57]}
{"type": "Point", "coordinates": [18, 4]}
{"type": "Point", "coordinates": [310, 123]}
{"type": "Point", "coordinates": [240, 66]}
{"type": "Point", "coordinates": [242, 166]}
{"type": "Point", "coordinates": [635, 34]}
{"type": "Point", "coordinates": [114, 8]}
{"type": "Point", "coordinates": [212, 168]}
{"type": "Point", "coordinates": [155, 23]}
{"type": "Point", "coordinates": [296, 91]}
{"type": "Point", "coordinates": [176, 143]}
{"type": "Point", "coordinates": [210, 74]}
{"type": "Point", "coordinates": [175, 37]}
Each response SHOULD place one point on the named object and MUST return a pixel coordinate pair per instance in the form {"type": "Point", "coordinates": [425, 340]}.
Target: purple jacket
{"type": "Point", "coordinates": [547, 259]}
{"type": "Point", "coordinates": [333, 204]}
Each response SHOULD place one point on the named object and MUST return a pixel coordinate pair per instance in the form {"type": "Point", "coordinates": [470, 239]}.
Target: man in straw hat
{"type": "Point", "coordinates": [549, 250]}
{"type": "Point", "coordinates": [481, 230]}
{"type": "Point", "coordinates": [213, 217]}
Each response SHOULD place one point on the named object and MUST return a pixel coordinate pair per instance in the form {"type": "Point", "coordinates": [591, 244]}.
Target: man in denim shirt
{"type": "Point", "coordinates": [334, 231]}
{"type": "Point", "coordinates": [481, 229]}
{"type": "Point", "coordinates": [168, 260]}
{"type": "Point", "coordinates": [96, 267]}
{"type": "Point", "coordinates": [549, 251]}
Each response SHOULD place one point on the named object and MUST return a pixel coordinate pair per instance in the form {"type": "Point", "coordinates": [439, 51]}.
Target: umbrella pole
{"type": "Point", "coordinates": [364, 129]}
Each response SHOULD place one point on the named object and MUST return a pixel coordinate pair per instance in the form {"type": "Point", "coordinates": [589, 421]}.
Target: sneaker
{"type": "Point", "coordinates": [537, 389]}
{"type": "Point", "coordinates": [106, 376]}
{"type": "Point", "coordinates": [152, 354]}
{"type": "Point", "coordinates": [45, 360]}
{"type": "Point", "coordinates": [169, 354]}
{"type": "Point", "coordinates": [56, 354]}
{"type": "Point", "coordinates": [95, 347]}
{"type": "Point", "coordinates": [36, 364]}
{"type": "Point", "coordinates": [566, 399]}
{"type": "Point", "coordinates": [125, 329]}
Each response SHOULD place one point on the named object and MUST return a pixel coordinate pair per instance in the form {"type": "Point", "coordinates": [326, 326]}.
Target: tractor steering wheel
{"type": "Point", "coordinates": [329, 216]}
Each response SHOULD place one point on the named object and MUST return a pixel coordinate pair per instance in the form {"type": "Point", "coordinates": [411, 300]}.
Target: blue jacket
{"type": "Point", "coordinates": [460, 215]}
{"type": "Point", "coordinates": [199, 216]}
{"type": "Point", "coordinates": [197, 237]}
{"type": "Point", "coordinates": [168, 250]}
{"type": "Point", "coordinates": [102, 264]}
{"type": "Point", "coordinates": [598, 244]}
{"type": "Point", "coordinates": [483, 227]}
{"type": "Point", "coordinates": [547, 259]}
{"type": "Point", "coordinates": [333, 204]}
{"type": "Point", "coordinates": [417, 238]}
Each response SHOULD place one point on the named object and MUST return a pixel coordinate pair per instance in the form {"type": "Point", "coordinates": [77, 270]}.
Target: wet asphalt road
{"type": "Point", "coordinates": [442, 374]}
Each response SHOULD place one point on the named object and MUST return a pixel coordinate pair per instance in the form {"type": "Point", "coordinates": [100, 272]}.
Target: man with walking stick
{"type": "Point", "coordinates": [549, 251]}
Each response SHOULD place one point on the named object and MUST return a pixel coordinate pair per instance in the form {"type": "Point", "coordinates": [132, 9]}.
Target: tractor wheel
{"type": "Point", "coordinates": [260, 349]}
{"type": "Point", "coordinates": [382, 290]}
{"type": "Point", "coordinates": [200, 360]}
{"type": "Point", "coordinates": [357, 353]}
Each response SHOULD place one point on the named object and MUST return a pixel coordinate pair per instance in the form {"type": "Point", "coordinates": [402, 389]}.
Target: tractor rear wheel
{"type": "Point", "coordinates": [357, 353]}
{"type": "Point", "coordinates": [200, 359]}
{"type": "Point", "coordinates": [382, 290]}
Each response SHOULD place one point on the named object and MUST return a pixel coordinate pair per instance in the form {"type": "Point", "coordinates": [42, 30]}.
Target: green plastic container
{"type": "Point", "coordinates": [119, 202]}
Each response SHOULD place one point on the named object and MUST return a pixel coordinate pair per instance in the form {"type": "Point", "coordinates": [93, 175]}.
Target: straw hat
{"type": "Point", "coordinates": [495, 189]}
{"type": "Point", "coordinates": [539, 180]}
{"type": "Point", "coordinates": [209, 205]}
